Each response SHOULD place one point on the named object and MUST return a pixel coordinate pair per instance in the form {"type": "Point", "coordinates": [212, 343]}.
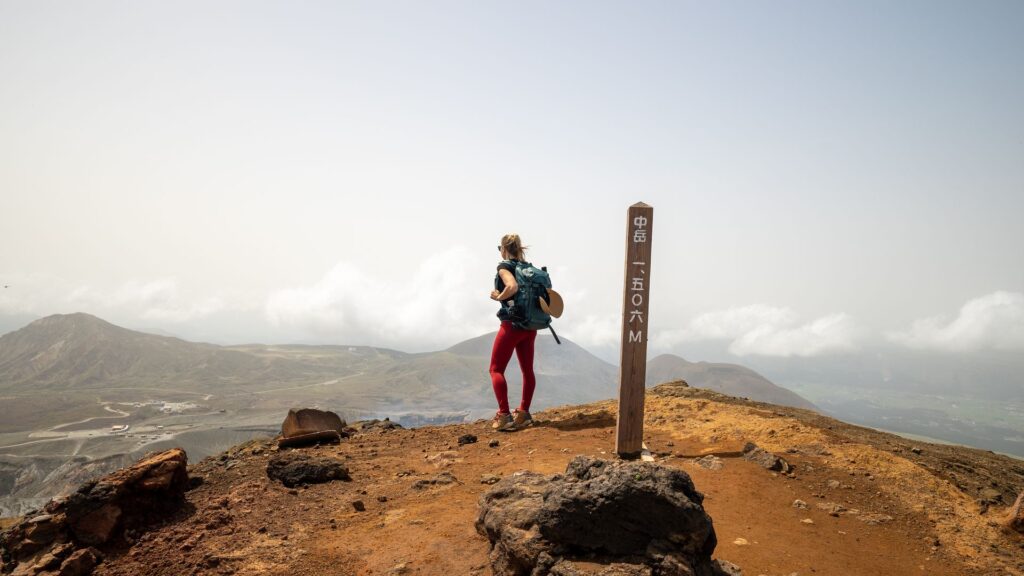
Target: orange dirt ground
{"type": "Point", "coordinates": [239, 522]}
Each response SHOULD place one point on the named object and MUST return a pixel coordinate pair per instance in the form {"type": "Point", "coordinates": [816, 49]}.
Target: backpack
{"type": "Point", "coordinates": [525, 312]}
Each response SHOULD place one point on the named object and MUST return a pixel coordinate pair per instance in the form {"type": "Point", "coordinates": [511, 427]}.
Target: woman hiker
{"type": "Point", "coordinates": [511, 339]}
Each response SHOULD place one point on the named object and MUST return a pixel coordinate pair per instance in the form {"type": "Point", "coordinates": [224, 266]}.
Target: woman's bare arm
{"type": "Point", "coordinates": [510, 286]}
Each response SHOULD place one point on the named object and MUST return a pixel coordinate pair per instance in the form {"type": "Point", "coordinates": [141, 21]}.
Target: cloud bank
{"type": "Point", "coordinates": [765, 330]}
{"type": "Point", "coordinates": [157, 300]}
{"type": "Point", "coordinates": [160, 300]}
{"type": "Point", "coordinates": [994, 321]}
{"type": "Point", "coordinates": [436, 307]}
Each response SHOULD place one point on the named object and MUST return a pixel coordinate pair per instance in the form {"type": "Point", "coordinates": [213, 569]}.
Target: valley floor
{"type": "Point", "coordinates": [900, 510]}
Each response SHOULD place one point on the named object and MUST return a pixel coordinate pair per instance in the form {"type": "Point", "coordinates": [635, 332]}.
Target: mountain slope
{"type": "Point", "coordinates": [731, 379]}
{"type": "Point", "coordinates": [76, 351]}
{"type": "Point", "coordinates": [80, 353]}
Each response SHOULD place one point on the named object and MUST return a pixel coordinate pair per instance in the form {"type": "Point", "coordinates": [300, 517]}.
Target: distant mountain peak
{"type": "Point", "coordinates": [674, 357]}
{"type": "Point", "coordinates": [731, 379]}
{"type": "Point", "coordinates": [69, 349]}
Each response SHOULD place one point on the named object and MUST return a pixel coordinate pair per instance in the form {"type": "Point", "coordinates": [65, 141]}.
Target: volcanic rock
{"type": "Point", "coordinates": [293, 469]}
{"type": "Point", "coordinates": [80, 563]}
{"type": "Point", "coordinates": [637, 516]}
{"type": "Point", "coordinates": [53, 559]}
{"type": "Point", "coordinates": [128, 498]}
{"type": "Point", "coordinates": [442, 479]}
{"type": "Point", "coordinates": [765, 458]}
{"type": "Point", "coordinates": [381, 425]}
{"type": "Point", "coordinates": [1015, 519]}
{"type": "Point", "coordinates": [310, 426]}
{"type": "Point", "coordinates": [709, 462]}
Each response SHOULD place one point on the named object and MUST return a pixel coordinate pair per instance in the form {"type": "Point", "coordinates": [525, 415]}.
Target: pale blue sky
{"type": "Point", "coordinates": [279, 171]}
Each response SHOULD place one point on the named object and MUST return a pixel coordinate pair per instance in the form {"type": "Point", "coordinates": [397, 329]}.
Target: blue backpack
{"type": "Point", "coordinates": [525, 312]}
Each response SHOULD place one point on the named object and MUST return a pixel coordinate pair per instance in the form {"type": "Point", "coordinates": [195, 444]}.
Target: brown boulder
{"type": "Point", "coordinates": [25, 539]}
{"type": "Point", "coordinates": [1015, 519]}
{"type": "Point", "coordinates": [128, 498]}
{"type": "Point", "coordinates": [42, 529]}
{"type": "Point", "coordinates": [53, 559]}
{"type": "Point", "coordinates": [309, 426]}
{"type": "Point", "coordinates": [97, 526]}
{"type": "Point", "coordinates": [80, 563]}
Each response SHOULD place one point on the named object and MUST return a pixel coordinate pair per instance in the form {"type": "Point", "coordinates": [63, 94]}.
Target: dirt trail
{"type": "Point", "coordinates": [241, 523]}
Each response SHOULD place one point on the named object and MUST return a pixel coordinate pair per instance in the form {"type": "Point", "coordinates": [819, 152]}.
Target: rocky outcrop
{"type": "Point", "coordinates": [61, 539]}
{"type": "Point", "coordinates": [129, 498]}
{"type": "Point", "coordinates": [293, 469]}
{"type": "Point", "coordinates": [635, 517]}
{"type": "Point", "coordinates": [1015, 519]}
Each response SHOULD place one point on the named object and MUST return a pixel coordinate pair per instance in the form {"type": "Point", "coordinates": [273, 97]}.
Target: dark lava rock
{"type": "Point", "coordinates": [635, 517]}
{"type": "Point", "coordinates": [467, 439]}
{"type": "Point", "coordinates": [295, 468]}
{"type": "Point", "coordinates": [195, 482]}
{"type": "Point", "coordinates": [493, 443]}
{"type": "Point", "coordinates": [765, 458]}
{"type": "Point", "coordinates": [382, 425]}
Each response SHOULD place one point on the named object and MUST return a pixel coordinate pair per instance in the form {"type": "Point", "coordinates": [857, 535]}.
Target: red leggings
{"type": "Point", "coordinates": [510, 338]}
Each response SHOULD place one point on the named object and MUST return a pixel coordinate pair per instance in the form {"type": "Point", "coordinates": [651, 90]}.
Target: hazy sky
{"type": "Point", "coordinates": [825, 176]}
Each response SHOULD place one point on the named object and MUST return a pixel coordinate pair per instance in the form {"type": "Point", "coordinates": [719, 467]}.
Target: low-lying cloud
{"type": "Point", "coordinates": [765, 330]}
{"type": "Point", "coordinates": [435, 307]}
{"type": "Point", "coordinates": [993, 321]}
{"type": "Point", "coordinates": [158, 300]}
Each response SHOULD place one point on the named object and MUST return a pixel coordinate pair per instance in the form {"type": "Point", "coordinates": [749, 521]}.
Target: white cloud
{"type": "Point", "coordinates": [158, 300]}
{"type": "Point", "coordinates": [435, 306]}
{"type": "Point", "coordinates": [768, 331]}
{"type": "Point", "coordinates": [993, 321]}
{"type": "Point", "coordinates": [594, 331]}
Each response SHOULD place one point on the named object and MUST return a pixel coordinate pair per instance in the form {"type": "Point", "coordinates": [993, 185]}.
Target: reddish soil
{"type": "Point", "coordinates": [239, 522]}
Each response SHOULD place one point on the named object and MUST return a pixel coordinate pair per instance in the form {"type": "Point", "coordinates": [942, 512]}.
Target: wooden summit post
{"type": "Point", "coordinates": [629, 436]}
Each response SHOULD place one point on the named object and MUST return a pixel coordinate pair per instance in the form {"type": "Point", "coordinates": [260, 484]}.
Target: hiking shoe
{"type": "Point", "coordinates": [522, 419]}
{"type": "Point", "coordinates": [501, 421]}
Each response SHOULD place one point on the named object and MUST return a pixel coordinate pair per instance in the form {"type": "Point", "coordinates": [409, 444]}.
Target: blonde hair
{"type": "Point", "coordinates": [512, 244]}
